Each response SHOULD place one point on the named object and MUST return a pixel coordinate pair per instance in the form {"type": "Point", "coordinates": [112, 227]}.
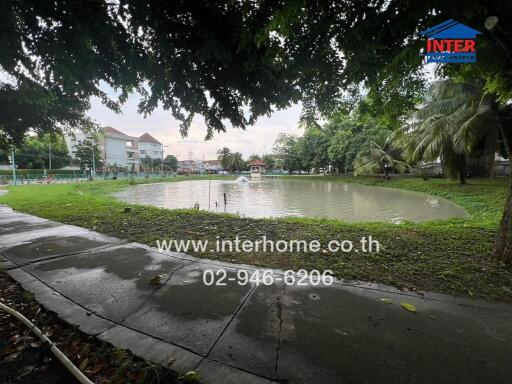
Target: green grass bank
{"type": "Point", "coordinates": [450, 256]}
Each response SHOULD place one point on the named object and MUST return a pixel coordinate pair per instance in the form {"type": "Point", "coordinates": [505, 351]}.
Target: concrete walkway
{"type": "Point", "coordinates": [343, 333]}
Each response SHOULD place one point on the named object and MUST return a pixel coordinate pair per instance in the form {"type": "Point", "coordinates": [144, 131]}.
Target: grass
{"type": "Point", "coordinates": [450, 256]}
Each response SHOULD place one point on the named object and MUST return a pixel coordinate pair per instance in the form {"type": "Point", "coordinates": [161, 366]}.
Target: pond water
{"type": "Point", "coordinates": [311, 198]}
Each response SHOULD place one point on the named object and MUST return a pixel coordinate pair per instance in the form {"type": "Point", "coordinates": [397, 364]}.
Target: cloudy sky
{"type": "Point", "coordinates": [161, 125]}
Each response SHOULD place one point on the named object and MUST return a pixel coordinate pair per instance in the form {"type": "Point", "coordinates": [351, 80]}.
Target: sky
{"type": "Point", "coordinates": [258, 138]}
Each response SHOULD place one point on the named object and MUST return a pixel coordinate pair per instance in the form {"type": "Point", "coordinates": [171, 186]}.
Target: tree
{"type": "Point", "coordinates": [85, 152]}
{"type": "Point", "coordinates": [147, 164]}
{"type": "Point", "coordinates": [253, 157]}
{"type": "Point", "coordinates": [454, 119]}
{"type": "Point", "coordinates": [378, 158]}
{"type": "Point", "coordinates": [27, 106]}
{"type": "Point", "coordinates": [285, 152]}
{"type": "Point", "coordinates": [312, 149]}
{"type": "Point", "coordinates": [270, 160]}
{"type": "Point", "coordinates": [171, 162]}
{"type": "Point", "coordinates": [349, 135]}
{"type": "Point", "coordinates": [237, 162]}
{"type": "Point", "coordinates": [36, 151]}
{"type": "Point", "coordinates": [224, 157]}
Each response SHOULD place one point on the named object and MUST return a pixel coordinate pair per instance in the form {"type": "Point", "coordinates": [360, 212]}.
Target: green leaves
{"type": "Point", "coordinates": [408, 307]}
{"type": "Point", "coordinates": [191, 377]}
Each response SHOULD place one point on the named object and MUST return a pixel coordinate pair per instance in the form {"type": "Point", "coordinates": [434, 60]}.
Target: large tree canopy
{"type": "Point", "coordinates": [230, 62]}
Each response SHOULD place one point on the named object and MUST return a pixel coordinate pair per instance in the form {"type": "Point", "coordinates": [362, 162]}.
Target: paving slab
{"type": "Point", "coordinates": [6, 264]}
{"type": "Point", "coordinates": [111, 282]}
{"type": "Point", "coordinates": [213, 372]}
{"type": "Point", "coordinates": [14, 239]}
{"type": "Point", "coordinates": [154, 350]}
{"type": "Point", "coordinates": [7, 212]}
{"type": "Point", "coordinates": [18, 224]}
{"type": "Point", "coordinates": [26, 247]}
{"type": "Point", "coordinates": [188, 313]}
{"type": "Point", "coordinates": [65, 308]}
{"type": "Point", "coordinates": [257, 326]}
{"type": "Point", "coordinates": [345, 334]}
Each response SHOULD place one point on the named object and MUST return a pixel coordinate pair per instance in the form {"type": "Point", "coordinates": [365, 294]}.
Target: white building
{"type": "Point", "coordinates": [191, 166]}
{"type": "Point", "coordinates": [118, 150]}
{"type": "Point", "coordinates": [149, 146]}
{"type": "Point", "coordinates": [75, 139]}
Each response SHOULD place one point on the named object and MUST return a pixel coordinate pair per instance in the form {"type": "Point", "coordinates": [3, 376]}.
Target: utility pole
{"type": "Point", "coordinates": [13, 167]}
{"type": "Point", "coordinates": [93, 163]}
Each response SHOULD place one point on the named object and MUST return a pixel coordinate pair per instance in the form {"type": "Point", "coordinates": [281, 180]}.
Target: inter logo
{"type": "Point", "coordinates": [451, 42]}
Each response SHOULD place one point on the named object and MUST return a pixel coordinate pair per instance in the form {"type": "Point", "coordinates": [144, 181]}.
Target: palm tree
{"type": "Point", "coordinates": [454, 119]}
{"type": "Point", "coordinates": [224, 157]}
{"type": "Point", "coordinates": [253, 157]}
{"type": "Point", "coordinates": [378, 158]}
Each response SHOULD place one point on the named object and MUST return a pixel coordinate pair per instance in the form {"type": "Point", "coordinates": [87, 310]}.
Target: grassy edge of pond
{"type": "Point", "coordinates": [449, 256]}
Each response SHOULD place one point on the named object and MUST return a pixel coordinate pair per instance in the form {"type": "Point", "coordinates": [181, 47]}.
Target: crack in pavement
{"type": "Point", "coordinates": [227, 325]}
{"type": "Point", "coordinates": [62, 255]}
{"type": "Point", "coordinates": [280, 317]}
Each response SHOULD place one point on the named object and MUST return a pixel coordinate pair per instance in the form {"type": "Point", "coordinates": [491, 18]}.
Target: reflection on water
{"type": "Point", "coordinates": [313, 198]}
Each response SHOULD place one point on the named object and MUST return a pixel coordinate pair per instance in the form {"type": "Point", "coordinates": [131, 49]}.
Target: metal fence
{"type": "Point", "coordinates": [42, 178]}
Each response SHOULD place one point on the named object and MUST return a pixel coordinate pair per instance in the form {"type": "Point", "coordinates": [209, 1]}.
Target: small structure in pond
{"type": "Point", "coordinates": [257, 168]}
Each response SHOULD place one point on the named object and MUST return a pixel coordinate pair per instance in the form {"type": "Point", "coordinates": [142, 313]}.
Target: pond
{"type": "Point", "coordinates": [303, 198]}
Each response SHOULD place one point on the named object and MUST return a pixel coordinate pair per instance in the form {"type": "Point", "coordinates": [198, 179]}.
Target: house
{"type": "Point", "coordinates": [75, 139]}
{"type": "Point", "coordinates": [119, 150]}
{"type": "Point", "coordinates": [212, 166]}
{"type": "Point", "coordinates": [116, 148]}
{"type": "Point", "coordinates": [150, 147]}
{"type": "Point", "coordinates": [257, 167]}
{"type": "Point", "coordinates": [190, 166]}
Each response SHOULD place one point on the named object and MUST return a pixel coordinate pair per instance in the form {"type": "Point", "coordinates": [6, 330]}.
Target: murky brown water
{"type": "Point", "coordinates": [312, 198]}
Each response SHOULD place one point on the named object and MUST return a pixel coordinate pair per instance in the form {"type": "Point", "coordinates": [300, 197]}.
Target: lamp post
{"type": "Point", "coordinates": [13, 167]}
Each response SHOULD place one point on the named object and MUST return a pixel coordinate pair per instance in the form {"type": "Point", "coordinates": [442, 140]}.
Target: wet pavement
{"type": "Point", "coordinates": [157, 305]}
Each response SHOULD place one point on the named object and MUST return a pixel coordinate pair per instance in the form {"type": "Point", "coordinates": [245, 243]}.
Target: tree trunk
{"type": "Point", "coordinates": [503, 244]}
{"type": "Point", "coordinates": [462, 170]}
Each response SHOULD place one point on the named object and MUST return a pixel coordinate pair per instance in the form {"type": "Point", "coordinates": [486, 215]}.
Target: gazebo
{"type": "Point", "coordinates": [257, 167]}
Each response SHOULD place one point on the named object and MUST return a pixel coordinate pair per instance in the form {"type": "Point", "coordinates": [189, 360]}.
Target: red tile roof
{"type": "Point", "coordinates": [257, 162]}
